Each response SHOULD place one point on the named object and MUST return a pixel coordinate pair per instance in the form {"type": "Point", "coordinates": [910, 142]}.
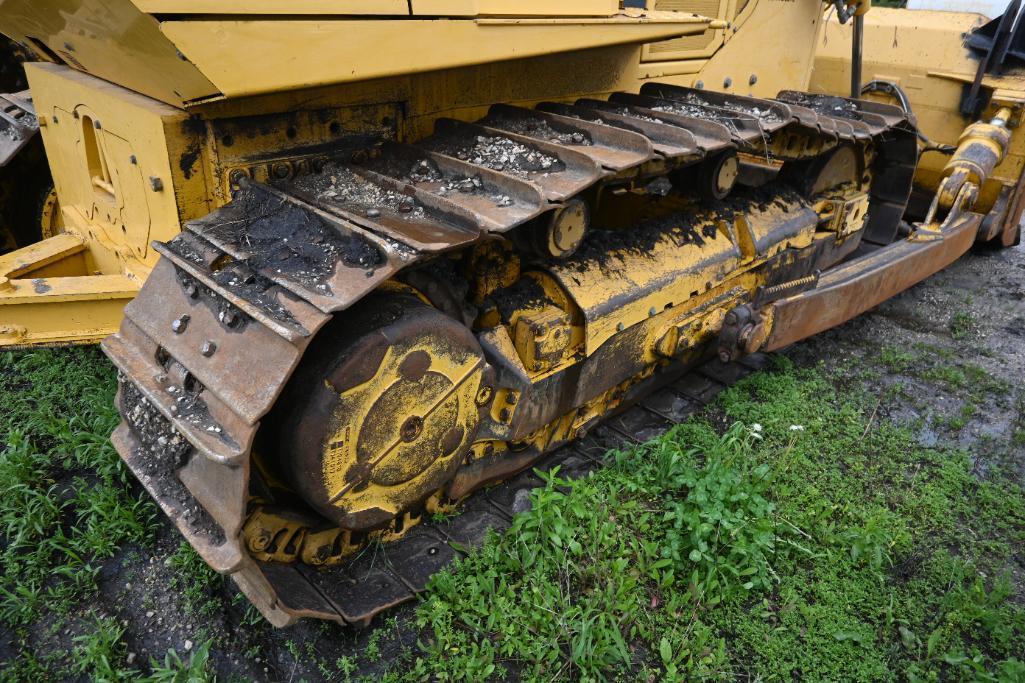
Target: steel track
{"type": "Point", "coordinates": [206, 348]}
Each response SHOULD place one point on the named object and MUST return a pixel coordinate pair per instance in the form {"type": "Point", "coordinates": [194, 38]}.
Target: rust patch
{"type": "Point", "coordinates": [415, 366]}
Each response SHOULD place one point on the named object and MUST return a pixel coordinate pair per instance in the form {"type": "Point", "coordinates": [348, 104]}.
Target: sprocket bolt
{"type": "Point", "coordinates": [260, 541]}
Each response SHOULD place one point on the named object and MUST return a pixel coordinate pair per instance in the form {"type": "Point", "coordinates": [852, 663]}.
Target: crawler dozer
{"type": "Point", "coordinates": [357, 261]}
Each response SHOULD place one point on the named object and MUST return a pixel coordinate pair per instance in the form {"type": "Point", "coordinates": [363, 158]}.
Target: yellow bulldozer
{"type": "Point", "coordinates": [356, 260]}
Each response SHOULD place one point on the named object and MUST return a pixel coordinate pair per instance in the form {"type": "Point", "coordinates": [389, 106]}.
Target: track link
{"type": "Point", "coordinates": [226, 315]}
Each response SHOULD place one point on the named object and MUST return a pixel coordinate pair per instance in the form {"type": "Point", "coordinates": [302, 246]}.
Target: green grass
{"type": "Point", "coordinates": [67, 507]}
{"type": "Point", "coordinates": [807, 539]}
{"type": "Point", "coordinates": [813, 547]}
{"type": "Point", "coordinates": [962, 325]}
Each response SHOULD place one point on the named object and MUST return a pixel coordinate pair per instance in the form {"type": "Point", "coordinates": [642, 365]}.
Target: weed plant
{"type": "Point", "coordinates": [803, 543]}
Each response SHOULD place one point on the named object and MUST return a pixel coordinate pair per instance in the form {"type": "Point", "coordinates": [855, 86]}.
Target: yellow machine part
{"type": "Point", "coordinates": [110, 153]}
{"type": "Point", "coordinates": [161, 113]}
{"type": "Point", "coordinates": [183, 124]}
{"type": "Point", "coordinates": [922, 52]}
{"type": "Point", "coordinates": [191, 54]}
{"type": "Point", "coordinates": [195, 154]}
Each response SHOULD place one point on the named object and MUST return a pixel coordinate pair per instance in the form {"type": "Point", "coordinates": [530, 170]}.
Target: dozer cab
{"type": "Point", "coordinates": [356, 261]}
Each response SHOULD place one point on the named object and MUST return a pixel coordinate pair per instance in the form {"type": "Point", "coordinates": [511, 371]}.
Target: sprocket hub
{"type": "Point", "coordinates": [384, 423]}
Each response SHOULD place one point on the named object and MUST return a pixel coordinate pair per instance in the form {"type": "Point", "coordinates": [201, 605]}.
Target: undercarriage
{"type": "Point", "coordinates": [337, 355]}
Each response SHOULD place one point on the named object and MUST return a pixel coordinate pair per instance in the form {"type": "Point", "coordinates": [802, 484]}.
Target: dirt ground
{"type": "Point", "coordinates": [948, 351]}
{"type": "Point", "coordinates": [946, 358]}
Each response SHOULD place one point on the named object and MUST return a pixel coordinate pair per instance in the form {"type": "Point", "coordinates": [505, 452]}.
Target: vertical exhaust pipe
{"type": "Point", "coordinates": [859, 33]}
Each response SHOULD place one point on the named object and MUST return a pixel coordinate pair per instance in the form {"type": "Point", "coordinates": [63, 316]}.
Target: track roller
{"type": "Point", "coordinates": [713, 179]}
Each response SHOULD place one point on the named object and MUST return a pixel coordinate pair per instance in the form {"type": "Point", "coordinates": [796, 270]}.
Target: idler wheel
{"type": "Point", "coordinates": [382, 411]}
{"type": "Point", "coordinates": [845, 164]}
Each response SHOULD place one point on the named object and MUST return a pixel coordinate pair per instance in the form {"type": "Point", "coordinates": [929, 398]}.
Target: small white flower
{"type": "Point", "coordinates": [797, 428]}
{"type": "Point", "coordinates": [756, 427]}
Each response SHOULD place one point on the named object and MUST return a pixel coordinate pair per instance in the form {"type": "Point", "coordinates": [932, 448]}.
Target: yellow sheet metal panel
{"type": "Point", "coordinates": [470, 8]}
{"type": "Point", "coordinates": [116, 162]}
{"type": "Point", "coordinates": [47, 295]}
{"type": "Point", "coordinates": [28, 259]}
{"type": "Point", "coordinates": [76, 288]}
{"type": "Point", "coordinates": [922, 52]}
{"type": "Point", "coordinates": [465, 8]}
{"type": "Point", "coordinates": [428, 96]}
{"type": "Point", "coordinates": [768, 46]}
{"type": "Point", "coordinates": [111, 39]}
{"type": "Point", "coordinates": [261, 56]}
{"type": "Point", "coordinates": [688, 47]}
{"type": "Point", "coordinates": [63, 310]}
{"type": "Point", "coordinates": [341, 7]}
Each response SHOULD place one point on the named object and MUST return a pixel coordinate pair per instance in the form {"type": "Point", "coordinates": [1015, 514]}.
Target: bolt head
{"type": "Point", "coordinates": [261, 540]}
{"type": "Point", "coordinates": [411, 428]}
{"type": "Point", "coordinates": [180, 324]}
{"type": "Point", "coordinates": [209, 348]}
{"type": "Point", "coordinates": [156, 184]}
